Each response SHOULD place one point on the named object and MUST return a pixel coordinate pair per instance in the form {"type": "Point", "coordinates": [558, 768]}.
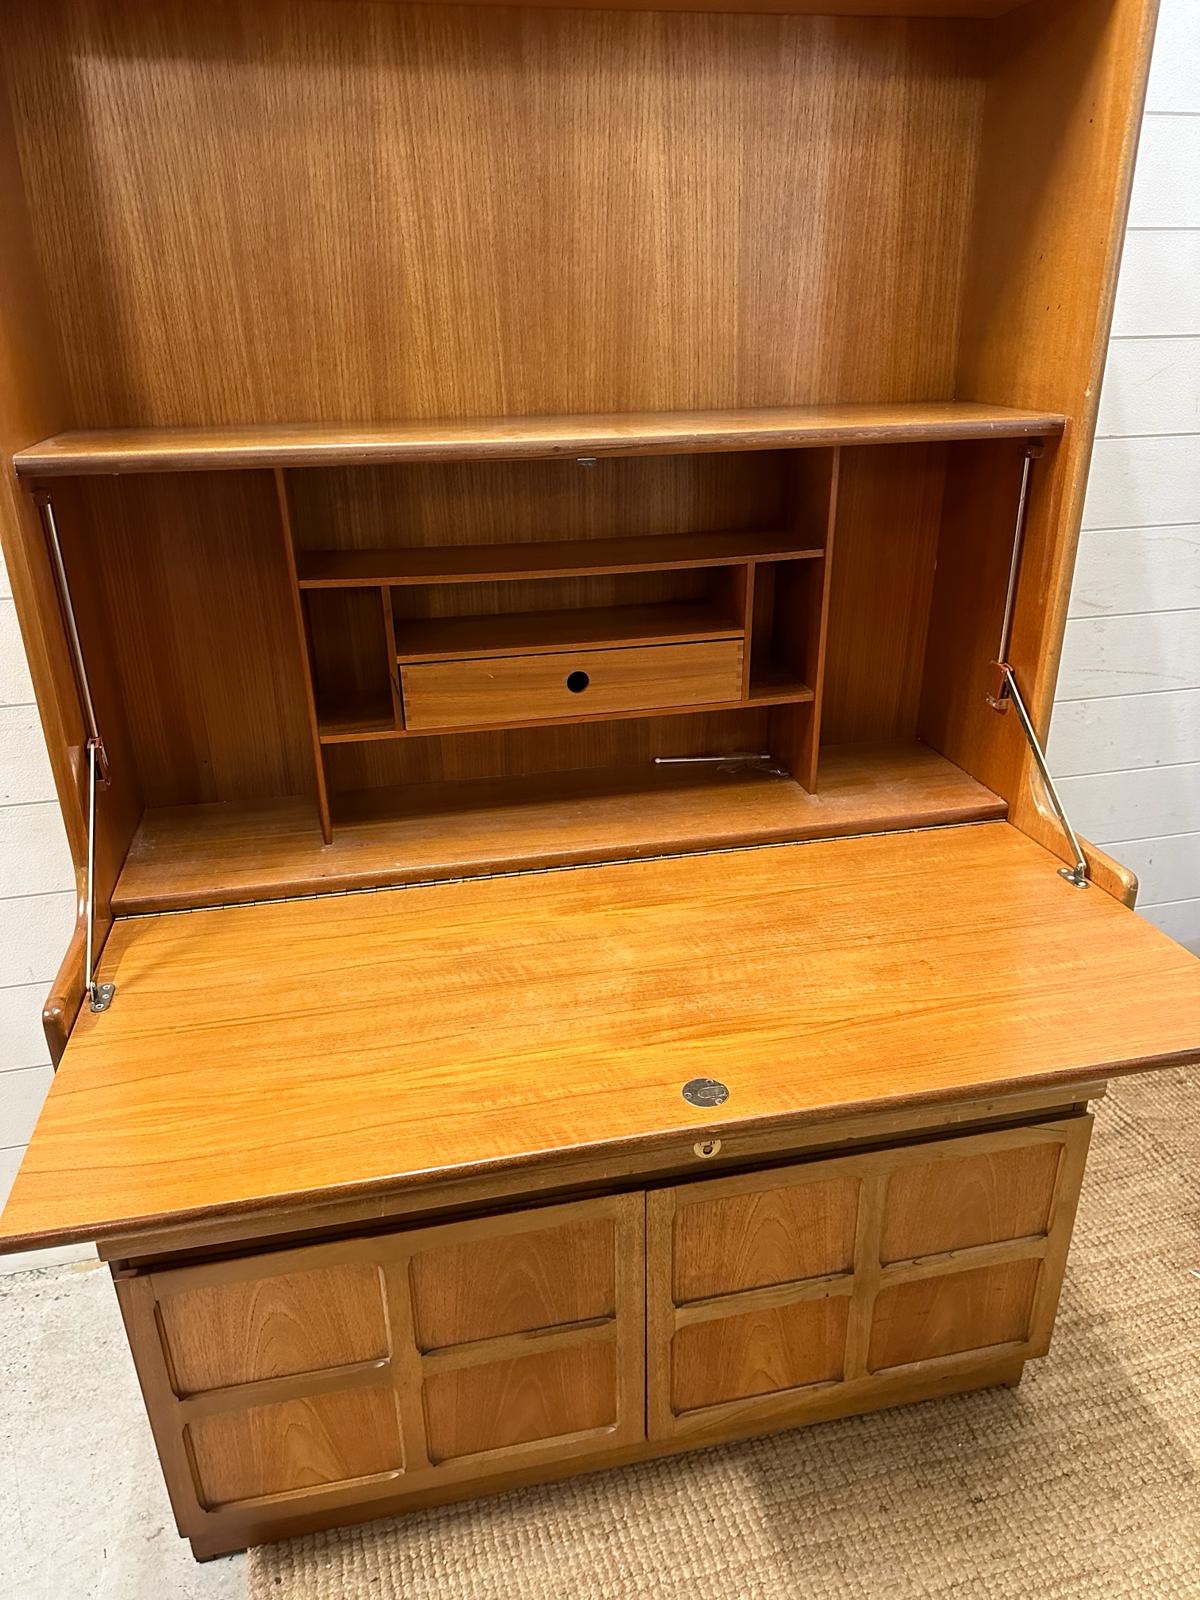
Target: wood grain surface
{"type": "Point", "coordinates": [359, 1043]}
{"type": "Point", "coordinates": [190, 856]}
{"type": "Point", "coordinates": [524, 688]}
{"type": "Point", "coordinates": [524, 438]}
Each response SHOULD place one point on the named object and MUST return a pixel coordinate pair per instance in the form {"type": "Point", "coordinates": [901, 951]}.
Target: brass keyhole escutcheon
{"type": "Point", "coordinates": [707, 1147]}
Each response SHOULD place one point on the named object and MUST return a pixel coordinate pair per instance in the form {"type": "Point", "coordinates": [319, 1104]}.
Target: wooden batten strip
{"type": "Point", "coordinates": [274, 1391]}
{"type": "Point", "coordinates": [967, 1259]}
{"type": "Point", "coordinates": [768, 1297]}
{"type": "Point", "coordinates": [512, 1346]}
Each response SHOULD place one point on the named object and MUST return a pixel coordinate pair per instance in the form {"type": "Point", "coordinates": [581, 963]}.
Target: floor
{"type": "Point", "coordinates": [83, 1511]}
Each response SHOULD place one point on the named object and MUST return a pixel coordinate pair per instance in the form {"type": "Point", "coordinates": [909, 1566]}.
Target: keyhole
{"type": "Point", "coordinates": [577, 682]}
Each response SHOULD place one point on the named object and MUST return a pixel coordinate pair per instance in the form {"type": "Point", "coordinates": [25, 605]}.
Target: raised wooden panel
{"type": "Point", "coordinates": [303, 1443]}
{"type": "Point", "coordinates": [540, 1396]}
{"type": "Point", "coordinates": [758, 1352]}
{"type": "Point", "coordinates": [765, 1293]}
{"type": "Point", "coordinates": [951, 1205]}
{"type": "Point", "coordinates": [494, 1286]}
{"type": "Point", "coordinates": [270, 1327]}
{"type": "Point", "coordinates": [391, 1362]}
{"type": "Point", "coordinates": [768, 1235]}
{"type": "Point", "coordinates": [941, 1316]}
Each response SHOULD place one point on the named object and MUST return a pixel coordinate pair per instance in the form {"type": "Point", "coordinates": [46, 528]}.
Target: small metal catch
{"type": "Point", "coordinates": [705, 1092]}
{"type": "Point", "coordinates": [707, 1147]}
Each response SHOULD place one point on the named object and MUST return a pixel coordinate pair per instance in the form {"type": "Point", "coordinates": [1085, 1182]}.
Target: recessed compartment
{"type": "Point", "coordinates": [543, 429]}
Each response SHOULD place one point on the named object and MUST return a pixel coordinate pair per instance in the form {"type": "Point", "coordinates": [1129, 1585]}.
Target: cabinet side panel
{"type": "Point", "coordinates": [33, 403]}
{"type": "Point", "coordinates": [1061, 120]}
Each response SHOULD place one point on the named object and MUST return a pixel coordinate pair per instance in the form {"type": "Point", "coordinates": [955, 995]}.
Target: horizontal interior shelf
{"type": "Point", "coordinates": [524, 438]}
{"type": "Point", "coordinates": [192, 856]}
{"type": "Point", "coordinates": [547, 558]}
{"type": "Point", "coordinates": [768, 687]}
{"type": "Point", "coordinates": [548, 632]}
{"type": "Point", "coordinates": [353, 720]}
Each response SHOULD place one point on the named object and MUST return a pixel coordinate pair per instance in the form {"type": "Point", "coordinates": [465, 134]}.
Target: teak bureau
{"type": "Point", "coordinates": [542, 537]}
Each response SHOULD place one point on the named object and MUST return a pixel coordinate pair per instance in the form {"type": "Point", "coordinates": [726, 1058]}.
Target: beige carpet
{"type": "Point", "coordinates": [1082, 1482]}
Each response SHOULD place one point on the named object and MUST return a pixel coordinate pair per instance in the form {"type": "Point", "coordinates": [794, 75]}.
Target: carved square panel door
{"type": "Point", "coordinates": [391, 1364]}
{"type": "Point", "coordinates": [815, 1289]}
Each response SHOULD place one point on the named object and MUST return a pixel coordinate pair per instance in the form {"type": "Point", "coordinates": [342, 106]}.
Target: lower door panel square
{"type": "Point", "coordinates": [758, 1352]}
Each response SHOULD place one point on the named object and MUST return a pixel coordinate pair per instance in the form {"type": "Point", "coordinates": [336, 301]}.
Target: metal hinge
{"type": "Point", "coordinates": [1006, 690]}
{"type": "Point", "coordinates": [100, 995]}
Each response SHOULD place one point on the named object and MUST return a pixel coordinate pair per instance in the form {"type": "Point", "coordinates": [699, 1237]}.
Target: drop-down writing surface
{"type": "Point", "coordinates": [261, 1055]}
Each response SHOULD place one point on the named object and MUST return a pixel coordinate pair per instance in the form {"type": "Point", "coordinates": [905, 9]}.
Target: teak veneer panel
{"type": "Point", "coordinates": [494, 1025]}
{"type": "Point", "coordinates": [758, 1352]}
{"type": "Point", "coordinates": [271, 1327]}
{"type": "Point", "coordinates": [525, 438]}
{"type": "Point", "coordinates": [746, 1241]}
{"type": "Point", "coordinates": [942, 1316]}
{"type": "Point", "coordinates": [194, 856]}
{"type": "Point", "coordinates": [539, 1396]}
{"type": "Point", "coordinates": [484, 1288]}
{"type": "Point", "coordinates": [975, 1201]}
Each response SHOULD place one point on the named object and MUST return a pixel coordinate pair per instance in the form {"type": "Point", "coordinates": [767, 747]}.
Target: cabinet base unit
{"type": "Point", "coordinates": [298, 1387]}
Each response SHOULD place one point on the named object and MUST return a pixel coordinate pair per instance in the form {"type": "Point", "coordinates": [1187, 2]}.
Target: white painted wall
{"type": "Point", "coordinates": [1126, 733]}
{"type": "Point", "coordinates": [1125, 738]}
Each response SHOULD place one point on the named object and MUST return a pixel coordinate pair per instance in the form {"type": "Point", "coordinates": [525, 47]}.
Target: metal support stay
{"type": "Point", "coordinates": [1078, 874]}
{"type": "Point", "coordinates": [100, 995]}
{"type": "Point", "coordinates": [1005, 688]}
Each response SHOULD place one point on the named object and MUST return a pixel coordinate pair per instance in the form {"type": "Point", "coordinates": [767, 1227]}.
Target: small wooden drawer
{"type": "Point", "coordinates": [461, 694]}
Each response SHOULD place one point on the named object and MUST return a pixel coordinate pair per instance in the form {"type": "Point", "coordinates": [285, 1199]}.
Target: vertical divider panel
{"type": "Point", "coordinates": [305, 642]}
{"type": "Point", "coordinates": [796, 731]}
{"type": "Point", "coordinates": [389, 635]}
{"type": "Point", "coordinates": [660, 1311]}
{"type": "Point", "coordinates": [867, 1270]}
{"type": "Point", "coordinates": [407, 1374]}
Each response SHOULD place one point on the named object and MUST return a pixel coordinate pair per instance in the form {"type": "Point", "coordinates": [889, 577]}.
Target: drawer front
{"type": "Point", "coordinates": [334, 1374]}
{"type": "Point", "coordinates": [840, 1284]}
{"type": "Point", "coordinates": [460, 694]}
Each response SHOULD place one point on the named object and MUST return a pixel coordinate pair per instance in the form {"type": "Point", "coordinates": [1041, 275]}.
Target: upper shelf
{"type": "Point", "coordinates": [523, 438]}
{"type": "Point", "coordinates": [575, 558]}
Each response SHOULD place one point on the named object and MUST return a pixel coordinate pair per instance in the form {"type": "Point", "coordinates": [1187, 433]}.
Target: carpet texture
{"type": "Point", "coordinates": [1082, 1482]}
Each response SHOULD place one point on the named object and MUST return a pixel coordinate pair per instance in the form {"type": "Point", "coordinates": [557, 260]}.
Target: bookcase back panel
{"type": "Point", "coordinates": [506, 211]}
{"type": "Point", "coordinates": [512, 502]}
{"type": "Point", "coordinates": [562, 748]}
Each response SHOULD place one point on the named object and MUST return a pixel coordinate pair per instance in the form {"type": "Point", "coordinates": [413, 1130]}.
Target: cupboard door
{"type": "Point", "coordinates": [837, 1284]}
{"type": "Point", "coordinates": [339, 1373]}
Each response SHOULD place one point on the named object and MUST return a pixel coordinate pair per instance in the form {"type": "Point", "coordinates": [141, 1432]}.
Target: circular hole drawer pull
{"type": "Point", "coordinates": [577, 682]}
